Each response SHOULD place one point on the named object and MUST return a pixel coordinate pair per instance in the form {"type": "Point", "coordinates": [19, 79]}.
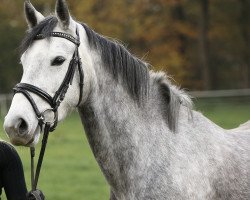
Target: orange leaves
{"type": "Point", "coordinates": [147, 26]}
{"type": "Point", "coordinates": [167, 31]}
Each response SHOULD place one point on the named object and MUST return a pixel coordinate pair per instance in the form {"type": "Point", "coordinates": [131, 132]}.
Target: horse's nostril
{"type": "Point", "coordinates": [23, 127]}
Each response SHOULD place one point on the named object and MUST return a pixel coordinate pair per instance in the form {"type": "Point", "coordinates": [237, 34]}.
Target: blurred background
{"type": "Point", "coordinates": [203, 45]}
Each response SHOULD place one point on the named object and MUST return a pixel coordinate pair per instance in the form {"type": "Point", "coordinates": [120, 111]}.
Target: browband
{"type": "Point", "coordinates": [60, 35]}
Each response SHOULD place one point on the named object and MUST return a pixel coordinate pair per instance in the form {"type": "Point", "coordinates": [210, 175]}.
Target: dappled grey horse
{"type": "Point", "coordinates": [145, 136]}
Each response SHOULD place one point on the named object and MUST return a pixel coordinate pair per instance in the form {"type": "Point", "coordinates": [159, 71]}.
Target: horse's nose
{"type": "Point", "coordinates": [22, 127]}
{"type": "Point", "coordinates": [16, 126]}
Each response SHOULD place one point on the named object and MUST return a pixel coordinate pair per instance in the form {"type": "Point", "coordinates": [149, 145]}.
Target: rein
{"type": "Point", "coordinates": [49, 125]}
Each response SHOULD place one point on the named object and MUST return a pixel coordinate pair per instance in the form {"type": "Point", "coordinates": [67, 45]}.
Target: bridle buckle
{"type": "Point", "coordinates": [47, 119]}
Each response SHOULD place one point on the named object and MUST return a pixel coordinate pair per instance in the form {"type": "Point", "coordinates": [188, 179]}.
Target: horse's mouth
{"type": "Point", "coordinates": [35, 138]}
{"type": "Point", "coordinates": [30, 142]}
{"type": "Point", "coordinates": [21, 142]}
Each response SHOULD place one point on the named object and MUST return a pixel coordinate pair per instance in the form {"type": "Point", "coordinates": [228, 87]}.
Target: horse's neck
{"type": "Point", "coordinates": [121, 133]}
{"type": "Point", "coordinates": [117, 129]}
{"type": "Point", "coordinates": [133, 144]}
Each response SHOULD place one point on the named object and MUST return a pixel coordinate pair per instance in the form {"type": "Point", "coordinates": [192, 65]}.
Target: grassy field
{"type": "Point", "coordinates": [70, 171]}
{"type": "Point", "coordinates": [226, 112]}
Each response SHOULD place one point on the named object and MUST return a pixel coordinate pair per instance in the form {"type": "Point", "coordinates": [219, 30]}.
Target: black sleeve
{"type": "Point", "coordinates": [11, 173]}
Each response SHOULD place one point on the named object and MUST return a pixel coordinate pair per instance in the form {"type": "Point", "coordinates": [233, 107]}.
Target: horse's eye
{"type": "Point", "coordinates": [58, 61]}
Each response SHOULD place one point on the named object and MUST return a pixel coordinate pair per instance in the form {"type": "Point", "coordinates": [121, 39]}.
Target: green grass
{"type": "Point", "coordinates": [70, 171]}
{"type": "Point", "coordinates": [226, 112]}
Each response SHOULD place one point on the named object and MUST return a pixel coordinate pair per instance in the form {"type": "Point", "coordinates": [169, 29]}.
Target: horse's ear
{"type": "Point", "coordinates": [33, 17]}
{"type": "Point", "coordinates": [62, 13]}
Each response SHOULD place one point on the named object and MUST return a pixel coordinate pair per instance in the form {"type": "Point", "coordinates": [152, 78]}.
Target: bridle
{"type": "Point", "coordinates": [54, 102]}
{"type": "Point", "coordinates": [59, 96]}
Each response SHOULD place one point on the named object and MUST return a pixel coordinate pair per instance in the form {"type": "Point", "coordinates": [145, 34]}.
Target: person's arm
{"type": "Point", "coordinates": [11, 173]}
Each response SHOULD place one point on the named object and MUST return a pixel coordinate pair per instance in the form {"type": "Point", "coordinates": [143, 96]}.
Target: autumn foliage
{"type": "Point", "coordinates": [201, 44]}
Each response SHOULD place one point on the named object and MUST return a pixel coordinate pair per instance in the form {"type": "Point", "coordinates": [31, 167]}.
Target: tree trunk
{"type": "Point", "coordinates": [243, 21]}
{"type": "Point", "coordinates": [204, 46]}
{"type": "Point", "coordinates": [178, 15]}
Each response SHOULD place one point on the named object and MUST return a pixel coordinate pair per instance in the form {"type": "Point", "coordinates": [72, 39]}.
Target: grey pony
{"type": "Point", "coordinates": [142, 158]}
{"type": "Point", "coordinates": [148, 141]}
{"type": "Point", "coordinates": [156, 147]}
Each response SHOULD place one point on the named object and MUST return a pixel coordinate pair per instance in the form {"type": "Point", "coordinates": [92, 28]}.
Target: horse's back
{"type": "Point", "coordinates": [242, 127]}
{"type": "Point", "coordinates": [246, 125]}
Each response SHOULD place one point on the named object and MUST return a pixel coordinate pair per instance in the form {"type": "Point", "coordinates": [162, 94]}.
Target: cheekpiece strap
{"type": "Point", "coordinates": [60, 35]}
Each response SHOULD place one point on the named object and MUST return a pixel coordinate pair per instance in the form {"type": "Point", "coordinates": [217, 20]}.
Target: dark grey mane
{"type": "Point", "coordinates": [132, 71]}
{"type": "Point", "coordinates": [45, 27]}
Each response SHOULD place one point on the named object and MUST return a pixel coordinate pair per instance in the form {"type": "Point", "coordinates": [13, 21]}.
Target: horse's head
{"type": "Point", "coordinates": [45, 62]}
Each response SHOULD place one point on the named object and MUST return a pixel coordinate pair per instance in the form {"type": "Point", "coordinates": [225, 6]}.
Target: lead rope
{"type": "Point", "coordinates": [36, 194]}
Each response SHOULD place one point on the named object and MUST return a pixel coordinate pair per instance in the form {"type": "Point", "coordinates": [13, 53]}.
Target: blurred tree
{"type": "Point", "coordinates": [244, 19]}
{"type": "Point", "coordinates": [11, 29]}
{"type": "Point", "coordinates": [227, 44]}
{"type": "Point", "coordinates": [203, 44]}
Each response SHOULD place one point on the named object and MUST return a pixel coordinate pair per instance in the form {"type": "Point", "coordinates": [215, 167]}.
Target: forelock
{"type": "Point", "coordinates": [45, 27]}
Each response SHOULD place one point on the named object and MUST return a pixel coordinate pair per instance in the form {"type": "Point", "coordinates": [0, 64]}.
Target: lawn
{"type": "Point", "coordinates": [226, 112]}
{"type": "Point", "coordinates": [70, 171]}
